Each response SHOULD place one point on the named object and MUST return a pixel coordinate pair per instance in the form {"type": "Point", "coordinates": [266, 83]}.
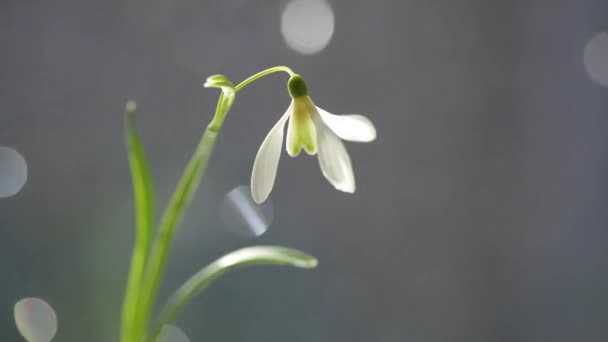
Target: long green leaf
{"type": "Point", "coordinates": [143, 193]}
{"type": "Point", "coordinates": [258, 255]}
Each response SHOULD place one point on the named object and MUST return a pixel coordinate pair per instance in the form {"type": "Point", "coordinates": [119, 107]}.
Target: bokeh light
{"type": "Point", "coordinates": [307, 25]}
{"type": "Point", "coordinates": [13, 172]}
{"type": "Point", "coordinates": [244, 217]}
{"type": "Point", "coordinates": [595, 58]}
{"type": "Point", "coordinates": [171, 333]}
{"type": "Point", "coordinates": [36, 320]}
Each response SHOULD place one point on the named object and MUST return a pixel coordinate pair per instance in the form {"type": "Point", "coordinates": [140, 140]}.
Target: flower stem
{"type": "Point", "coordinates": [220, 114]}
{"type": "Point", "coordinates": [262, 74]}
{"type": "Point", "coordinates": [171, 219]}
{"type": "Point", "coordinates": [180, 200]}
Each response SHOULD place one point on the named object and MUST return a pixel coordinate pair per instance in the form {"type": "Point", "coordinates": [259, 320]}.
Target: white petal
{"type": "Point", "coordinates": [333, 158]}
{"type": "Point", "coordinates": [351, 127]}
{"type": "Point", "coordinates": [267, 161]}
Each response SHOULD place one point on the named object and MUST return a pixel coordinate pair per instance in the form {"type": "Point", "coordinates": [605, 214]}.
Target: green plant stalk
{"type": "Point", "coordinates": [144, 206]}
{"type": "Point", "coordinates": [249, 256]}
{"type": "Point", "coordinates": [261, 74]}
{"type": "Point", "coordinates": [173, 215]}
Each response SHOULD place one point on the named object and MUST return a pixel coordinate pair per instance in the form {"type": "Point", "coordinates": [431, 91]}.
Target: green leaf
{"type": "Point", "coordinates": [258, 255]}
{"type": "Point", "coordinates": [143, 192]}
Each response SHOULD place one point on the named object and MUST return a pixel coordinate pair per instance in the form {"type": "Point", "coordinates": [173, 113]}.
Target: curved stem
{"type": "Point", "coordinates": [262, 74]}
{"type": "Point", "coordinates": [220, 114]}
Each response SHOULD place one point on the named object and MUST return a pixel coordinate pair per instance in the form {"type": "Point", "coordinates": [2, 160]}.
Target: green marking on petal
{"type": "Point", "coordinates": [301, 133]}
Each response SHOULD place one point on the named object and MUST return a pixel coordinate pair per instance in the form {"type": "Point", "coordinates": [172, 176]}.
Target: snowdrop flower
{"type": "Point", "coordinates": [317, 132]}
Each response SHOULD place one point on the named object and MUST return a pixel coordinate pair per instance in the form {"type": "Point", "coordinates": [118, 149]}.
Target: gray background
{"type": "Point", "coordinates": [480, 213]}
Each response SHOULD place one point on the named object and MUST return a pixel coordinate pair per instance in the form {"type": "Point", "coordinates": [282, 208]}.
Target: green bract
{"type": "Point", "coordinates": [222, 82]}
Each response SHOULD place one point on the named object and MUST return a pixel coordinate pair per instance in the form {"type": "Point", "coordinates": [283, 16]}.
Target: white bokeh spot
{"type": "Point", "coordinates": [595, 58]}
{"type": "Point", "coordinates": [13, 172]}
{"type": "Point", "coordinates": [307, 25]}
{"type": "Point", "coordinates": [36, 320]}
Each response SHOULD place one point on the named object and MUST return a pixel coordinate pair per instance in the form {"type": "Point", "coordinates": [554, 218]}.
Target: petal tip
{"type": "Point", "coordinates": [257, 194]}
{"type": "Point", "coordinates": [373, 133]}
{"type": "Point", "coordinates": [348, 187]}
{"type": "Point", "coordinates": [350, 127]}
{"type": "Point", "coordinates": [257, 199]}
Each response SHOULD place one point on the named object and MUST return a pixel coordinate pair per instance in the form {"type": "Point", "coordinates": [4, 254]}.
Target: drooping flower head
{"type": "Point", "coordinates": [315, 131]}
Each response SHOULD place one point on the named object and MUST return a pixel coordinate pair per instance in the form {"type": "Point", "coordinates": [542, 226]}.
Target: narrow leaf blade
{"type": "Point", "coordinates": [142, 180]}
{"type": "Point", "coordinates": [143, 193]}
{"type": "Point", "coordinates": [249, 256]}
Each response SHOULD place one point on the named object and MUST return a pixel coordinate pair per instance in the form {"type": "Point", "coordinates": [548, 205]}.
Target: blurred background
{"type": "Point", "coordinates": [480, 212]}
